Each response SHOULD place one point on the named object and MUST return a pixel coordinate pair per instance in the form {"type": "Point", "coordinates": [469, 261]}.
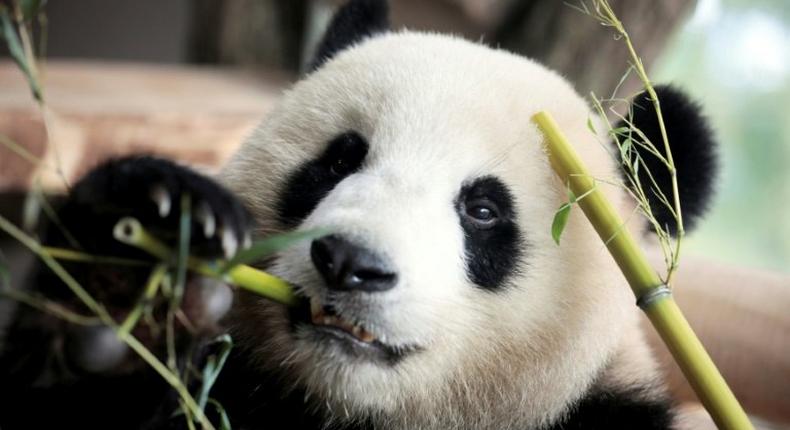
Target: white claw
{"type": "Point", "coordinates": [205, 216]}
{"type": "Point", "coordinates": [161, 197]}
{"type": "Point", "coordinates": [247, 242]}
{"type": "Point", "coordinates": [229, 242]}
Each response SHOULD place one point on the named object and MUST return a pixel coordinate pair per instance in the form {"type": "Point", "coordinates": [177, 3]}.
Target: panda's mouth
{"type": "Point", "coordinates": [324, 316]}
{"type": "Point", "coordinates": [323, 324]}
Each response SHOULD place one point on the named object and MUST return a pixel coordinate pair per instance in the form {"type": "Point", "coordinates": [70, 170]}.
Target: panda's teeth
{"type": "Point", "coordinates": [366, 336]}
{"type": "Point", "coordinates": [319, 317]}
{"type": "Point", "coordinates": [316, 310]}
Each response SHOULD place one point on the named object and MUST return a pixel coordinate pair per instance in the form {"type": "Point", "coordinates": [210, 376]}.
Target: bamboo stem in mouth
{"type": "Point", "coordinates": [131, 232]}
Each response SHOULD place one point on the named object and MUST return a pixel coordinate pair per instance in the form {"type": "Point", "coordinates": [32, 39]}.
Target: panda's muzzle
{"type": "Point", "coordinates": [325, 325]}
{"type": "Point", "coordinates": [350, 272]}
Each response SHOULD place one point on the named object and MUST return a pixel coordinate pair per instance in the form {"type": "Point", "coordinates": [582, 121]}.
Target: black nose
{"type": "Point", "coordinates": [348, 267]}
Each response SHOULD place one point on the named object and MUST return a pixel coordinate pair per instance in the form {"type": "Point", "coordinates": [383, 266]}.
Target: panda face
{"type": "Point", "coordinates": [417, 153]}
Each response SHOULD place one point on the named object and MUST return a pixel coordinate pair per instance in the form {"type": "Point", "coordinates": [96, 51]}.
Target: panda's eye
{"type": "Point", "coordinates": [482, 213]}
{"type": "Point", "coordinates": [340, 167]}
{"type": "Point", "coordinates": [344, 155]}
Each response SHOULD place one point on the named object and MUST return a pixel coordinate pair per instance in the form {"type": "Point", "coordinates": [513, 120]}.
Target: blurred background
{"type": "Point", "coordinates": [197, 74]}
{"type": "Point", "coordinates": [734, 56]}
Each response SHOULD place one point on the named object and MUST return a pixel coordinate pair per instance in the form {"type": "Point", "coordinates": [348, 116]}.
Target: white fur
{"type": "Point", "coordinates": [438, 112]}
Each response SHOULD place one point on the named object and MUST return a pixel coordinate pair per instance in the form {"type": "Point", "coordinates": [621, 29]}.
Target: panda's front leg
{"type": "Point", "coordinates": [55, 373]}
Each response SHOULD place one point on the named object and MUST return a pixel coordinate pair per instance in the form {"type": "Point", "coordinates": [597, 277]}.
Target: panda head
{"type": "Point", "coordinates": [439, 298]}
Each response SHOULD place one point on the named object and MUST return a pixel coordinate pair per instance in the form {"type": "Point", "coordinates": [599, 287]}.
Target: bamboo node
{"type": "Point", "coordinates": [652, 295]}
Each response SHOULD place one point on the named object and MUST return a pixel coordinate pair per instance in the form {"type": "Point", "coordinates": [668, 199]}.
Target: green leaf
{"type": "Point", "coordinates": [272, 245]}
{"type": "Point", "coordinates": [625, 149]}
{"type": "Point", "coordinates": [590, 125]}
{"type": "Point", "coordinates": [626, 145]}
{"type": "Point", "coordinates": [31, 8]}
{"type": "Point", "coordinates": [184, 238]}
{"type": "Point", "coordinates": [9, 34]}
{"type": "Point", "coordinates": [620, 130]}
{"type": "Point", "coordinates": [571, 196]}
{"type": "Point", "coordinates": [224, 423]}
{"type": "Point", "coordinates": [560, 221]}
{"type": "Point", "coordinates": [213, 367]}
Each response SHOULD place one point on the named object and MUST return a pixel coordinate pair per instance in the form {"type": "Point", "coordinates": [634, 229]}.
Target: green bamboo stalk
{"type": "Point", "coordinates": [48, 306]}
{"type": "Point", "coordinates": [131, 232]}
{"type": "Point", "coordinates": [83, 257]}
{"type": "Point", "coordinates": [652, 295]}
{"type": "Point", "coordinates": [151, 289]}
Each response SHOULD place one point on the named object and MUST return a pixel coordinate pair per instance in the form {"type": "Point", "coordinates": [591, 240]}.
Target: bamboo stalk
{"type": "Point", "coordinates": [151, 288]}
{"type": "Point", "coordinates": [652, 295]}
{"type": "Point", "coordinates": [82, 257]}
{"type": "Point", "coordinates": [131, 232]}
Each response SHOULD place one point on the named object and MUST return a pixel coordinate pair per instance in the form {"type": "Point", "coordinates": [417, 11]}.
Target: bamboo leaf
{"type": "Point", "coordinates": [571, 196]}
{"type": "Point", "coordinates": [590, 125]}
{"type": "Point", "coordinates": [224, 423]}
{"type": "Point", "coordinates": [560, 221]}
{"type": "Point", "coordinates": [271, 245]}
{"type": "Point", "coordinates": [626, 145]}
{"type": "Point", "coordinates": [184, 231]}
{"type": "Point", "coordinates": [620, 130]}
{"type": "Point", "coordinates": [625, 149]}
{"type": "Point", "coordinates": [9, 34]}
{"type": "Point", "coordinates": [213, 367]}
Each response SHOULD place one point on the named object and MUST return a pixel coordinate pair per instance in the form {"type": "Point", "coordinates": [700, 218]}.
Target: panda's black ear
{"type": "Point", "coordinates": [693, 151]}
{"type": "Point", "coordinates": [353, 22]}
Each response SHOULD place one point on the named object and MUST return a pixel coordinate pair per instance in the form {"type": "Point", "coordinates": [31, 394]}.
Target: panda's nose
{"type": "Point", "coordinates": [349, 267]}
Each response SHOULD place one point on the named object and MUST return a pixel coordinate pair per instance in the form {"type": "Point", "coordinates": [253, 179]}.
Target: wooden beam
{"type": "Point", "coordinates": [100, 110]}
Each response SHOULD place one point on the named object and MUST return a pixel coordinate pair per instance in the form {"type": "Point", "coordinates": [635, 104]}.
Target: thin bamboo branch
{"type": "Point", "coordinates": [609, 18]}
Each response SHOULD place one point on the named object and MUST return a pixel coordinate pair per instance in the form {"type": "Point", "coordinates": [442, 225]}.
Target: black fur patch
{"type": "Point", "coordinates": [308, 185]}
{"type": "Point", "coordinates": [693, 150]}
{"type": "Point", "coordinates": [261, 400]}
{"type": "Point", "coordinates": [615, 410]}
{"type": "Point", "coordinates": [492, 254]}
{"type": "Point", "coordinates": [353, 22]}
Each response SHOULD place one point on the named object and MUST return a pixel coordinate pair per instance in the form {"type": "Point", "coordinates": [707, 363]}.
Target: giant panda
{"type": "Point", "coordinates": [438, 300]}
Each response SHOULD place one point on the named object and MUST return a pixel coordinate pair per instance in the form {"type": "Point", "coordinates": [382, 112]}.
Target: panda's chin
{"type": "Point", "coordinates": [330, 334]}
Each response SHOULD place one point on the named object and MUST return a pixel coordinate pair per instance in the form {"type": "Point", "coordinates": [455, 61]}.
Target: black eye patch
{"type": "Point", "coordinates": [311, 182]}
{"type": "Point", "coordinates": [492, 239]}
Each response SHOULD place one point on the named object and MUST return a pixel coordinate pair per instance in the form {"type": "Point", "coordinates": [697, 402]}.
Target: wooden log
{"type": "Point", "coordinates": [100, 110]}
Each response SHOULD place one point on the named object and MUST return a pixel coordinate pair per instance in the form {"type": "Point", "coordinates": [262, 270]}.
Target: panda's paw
{"type": "Point", "coordinates": [157, 192]}
{"type": "Point", "coordinates": [152, 191]}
